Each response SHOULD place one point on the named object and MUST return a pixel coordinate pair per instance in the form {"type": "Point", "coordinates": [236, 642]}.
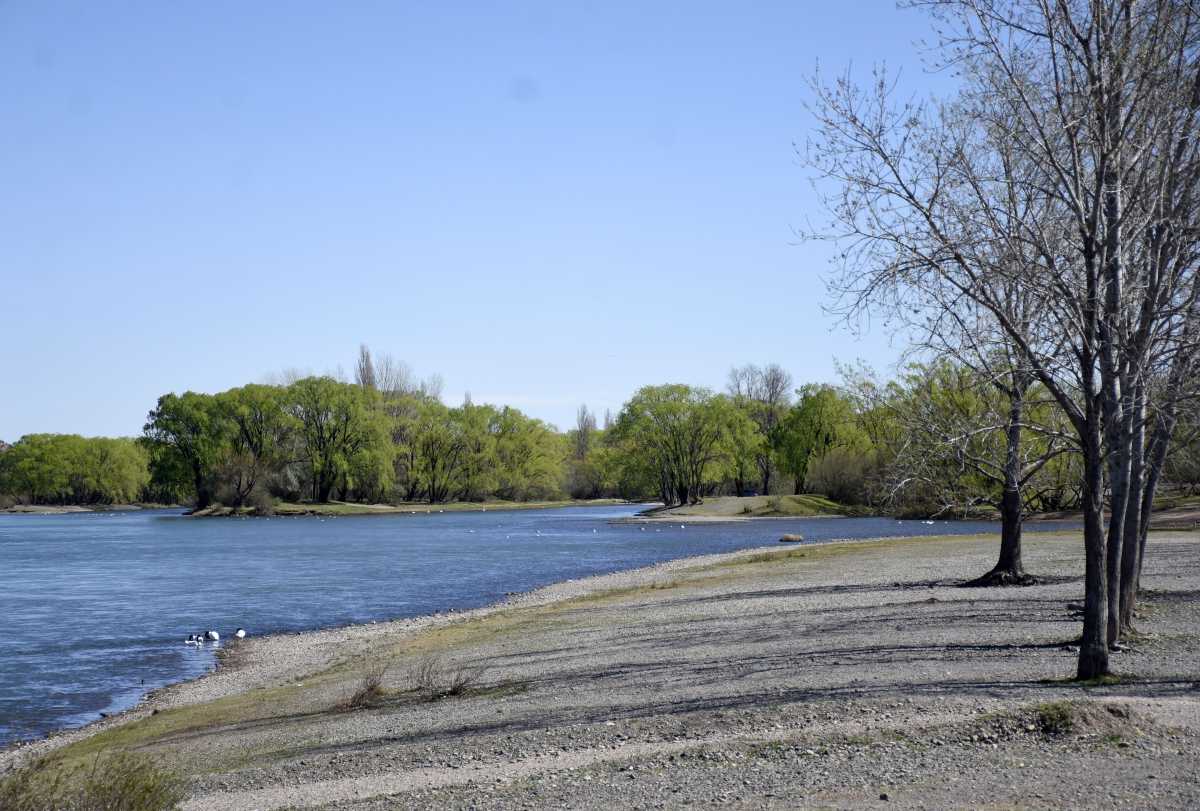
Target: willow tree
{"type": "Point", "coordinates": [337, 425]}
{"type": "Point", "coordinates": [260, 438]}
{"type": "Point", "coordinates": [679, 433]}
{"type": "Point", "coordinates": [185, 434]}
{"type": "Point", "coordinates": [1066, 167]}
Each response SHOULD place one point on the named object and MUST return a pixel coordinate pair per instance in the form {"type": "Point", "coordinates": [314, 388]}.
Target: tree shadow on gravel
{"type": "Point", "coordinates": [859, 588]}
{"type": "Point", "coordinates": [569, 717]}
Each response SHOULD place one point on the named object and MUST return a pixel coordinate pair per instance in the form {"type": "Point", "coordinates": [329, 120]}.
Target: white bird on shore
{"type": "Point", "coordinates": [240, 633]}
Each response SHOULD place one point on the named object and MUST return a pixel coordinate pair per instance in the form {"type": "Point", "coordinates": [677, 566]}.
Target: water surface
{"type": "Point", "coordinates": [96, 606]}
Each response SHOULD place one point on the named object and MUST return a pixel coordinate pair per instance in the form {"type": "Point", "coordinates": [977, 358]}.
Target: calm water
{"type": "Point", "coordinates": [96, 606]}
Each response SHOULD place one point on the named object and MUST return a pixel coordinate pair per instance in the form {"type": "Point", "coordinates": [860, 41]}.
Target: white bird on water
{"type": "Point", "coordinates": [212, 636]}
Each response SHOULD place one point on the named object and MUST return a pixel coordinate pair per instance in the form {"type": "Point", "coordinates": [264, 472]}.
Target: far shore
{"type": "Point", "coordinates": [827, 675]}
{"type": "Point", "coordinates": [348, 508]}
{"type": "Point", "coordinates": [65, 509]}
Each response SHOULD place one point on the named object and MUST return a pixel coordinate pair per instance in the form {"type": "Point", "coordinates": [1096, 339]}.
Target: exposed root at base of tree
{"type": "Point", "coordinates": [999, 578]}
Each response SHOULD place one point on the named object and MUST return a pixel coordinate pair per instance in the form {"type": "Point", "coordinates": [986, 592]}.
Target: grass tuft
{"type": "Point", "coordinates": [435, 679]}
{"type": "Point", "coordinates": [112, 782]}
{"type": "Point", "coordinates": [1055, 717]}
{"type": "Point", "coordinates": [369, 693]}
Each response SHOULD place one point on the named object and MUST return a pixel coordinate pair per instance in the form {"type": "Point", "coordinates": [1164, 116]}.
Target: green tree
{"type": "Point", "coordinates": [822, 418]}
{"type": "Point", "coordinates": [529, 458]}
{"type": "Point", "coordinates": [674, 433]}
{"type": "Point", "coordinates": [111, 471]}
{"type": "Point", "coordinates": [438, 449]}
{"type": "Point", "coordinates": [70, 469]}
{"type": "Point", "coordinates": [260, 439]}
{"type": "Point", "coordinates": [477, 475]}
{"type": "Point", "coordinates": [187, 434]}
{"type": "Point", "coordinates": [37, 469]}
{"type": "Point", "coordinates": [339, 425]}
{"type": "Point", "coordinates": [746, 446]}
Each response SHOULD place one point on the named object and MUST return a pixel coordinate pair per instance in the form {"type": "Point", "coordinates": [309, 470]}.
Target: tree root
{"type": "Point", "coordinates": [1000, 578]}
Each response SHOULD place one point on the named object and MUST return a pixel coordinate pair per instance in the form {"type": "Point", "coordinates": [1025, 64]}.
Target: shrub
{"type": "Point", "coordinates": [1055, 718]}
{"type": "Point", "coordinates": [840, 474]}
{"type": "Point", "coordinates": [118, 782]}
{"type": "Point", "coordinates": [370, 692]}
{"type": "Point", "coordinates": [261, 502]}
{"type": "Point", "coordinates": [433, 677]}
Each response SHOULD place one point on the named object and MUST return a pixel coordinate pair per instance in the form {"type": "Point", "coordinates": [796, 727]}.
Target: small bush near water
{"type": "Point", "coordinates": [120, 782]}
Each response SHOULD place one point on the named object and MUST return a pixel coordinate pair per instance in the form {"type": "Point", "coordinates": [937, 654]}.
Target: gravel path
{"type": "Point", "coordinates": [818, 676]}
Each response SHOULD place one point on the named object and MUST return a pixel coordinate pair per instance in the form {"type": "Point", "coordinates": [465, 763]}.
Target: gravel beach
{"type": "Point", "coordinates": [844, 675]}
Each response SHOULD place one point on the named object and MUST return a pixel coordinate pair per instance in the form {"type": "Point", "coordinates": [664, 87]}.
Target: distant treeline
{"type": "Point", "coordinates": [70, 469]}
{"type": "Point", "coordinates": [931, 442]}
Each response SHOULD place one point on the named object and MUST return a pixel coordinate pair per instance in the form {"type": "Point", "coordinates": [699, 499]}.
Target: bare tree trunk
{"type": "Point", "coordinates": [1009, 570]}
{"type": "Point", "coordinates": [1131, 547]}
{"type": "Point", "coordinates": [1156, 456]}
{"type": "Point", "coordinates": [1093, 647]}
{"type": "Point", "coordinates": [1119, 475]}
{"type": "Point", "coordinates": [325, 487]}
{"type": "Point", "coordinates": [203, 492]}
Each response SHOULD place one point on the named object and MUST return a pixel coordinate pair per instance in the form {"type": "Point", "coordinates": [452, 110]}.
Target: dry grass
{"type": "Point", "coordinates": [120, 782]}
{"type": "Point", "coordinates": [369, 693]}
{"type": "Point", "coordinates": [432, 676]}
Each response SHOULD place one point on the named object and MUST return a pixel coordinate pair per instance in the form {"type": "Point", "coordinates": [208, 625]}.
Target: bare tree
{"type": "Point", "coordinates": [392, 377]}
{"type": "Point", "coordinates": [364, 369]}
{"type": "Point", "coordinates": [431, 387]}
{"type": "Point", "coordinates": [1066, 168]}
{"type": "Point", "coordinates": [765, 393]}
{"type": "Point", "coordinates": [585, 429]}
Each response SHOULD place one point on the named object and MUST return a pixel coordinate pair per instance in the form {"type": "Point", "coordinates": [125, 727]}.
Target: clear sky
{"type": "Point", "coordinates": [546, 203]}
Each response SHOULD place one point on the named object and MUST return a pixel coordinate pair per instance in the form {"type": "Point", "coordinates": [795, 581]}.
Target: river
{"type": "Point", "coordinates": [96, 606]}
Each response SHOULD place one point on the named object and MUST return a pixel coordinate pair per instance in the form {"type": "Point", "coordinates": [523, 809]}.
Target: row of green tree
{"type": "Point", "coordinates": [320, 439]}
{"type": "Point", "coordinates": [936, 441]}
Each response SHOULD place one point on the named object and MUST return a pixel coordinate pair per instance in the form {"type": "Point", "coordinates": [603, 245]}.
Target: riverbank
{"type": "Point", "coordinates": [345, 508]}
{"type": "Point", "coordinates": [745, 507]}
{"type": "Point", "coordinates": [66, 509]}
{"type": "Point", "coordinates": [822, 675]}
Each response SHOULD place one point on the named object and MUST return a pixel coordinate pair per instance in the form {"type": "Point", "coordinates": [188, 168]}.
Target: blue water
{"type": "Point", "coordinates": [95, 606]}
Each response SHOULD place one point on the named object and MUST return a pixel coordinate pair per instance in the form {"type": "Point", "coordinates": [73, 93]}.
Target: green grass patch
{"type": "Point", "coordinates": [762, 507]}
{"type": "Point", "coordinates": [1055, 717]}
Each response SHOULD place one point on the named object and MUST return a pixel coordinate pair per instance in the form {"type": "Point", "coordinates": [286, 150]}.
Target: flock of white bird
{"type": "Point", "coordinates": [212, 636]}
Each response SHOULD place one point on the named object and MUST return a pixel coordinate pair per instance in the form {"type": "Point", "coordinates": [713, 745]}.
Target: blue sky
{"type": "Point", "coordinates": [546, 203]}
